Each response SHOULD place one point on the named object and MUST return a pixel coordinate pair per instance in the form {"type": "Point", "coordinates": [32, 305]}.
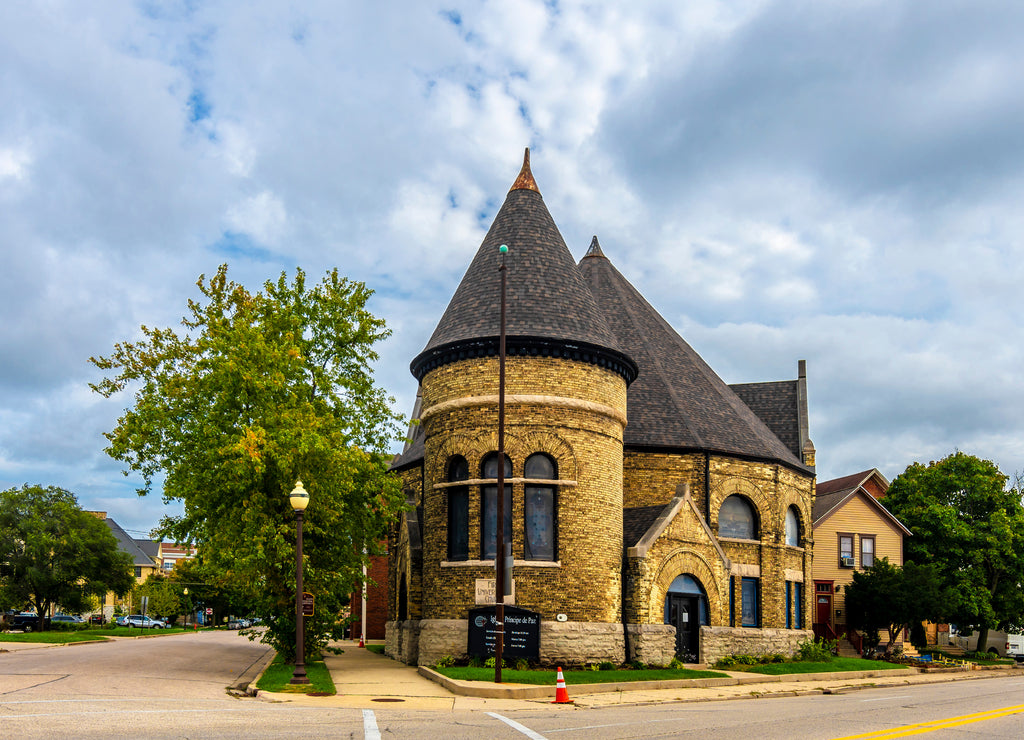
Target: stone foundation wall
{"type": "Point", "coordinates": [653, 644]}
{"type": "Point", "coordinates": [401, 640]}
{"type": "Point", "coordinates": [578, 643]}
{"type": "Point", "coordinates": [717, 642]}
{"type": "Point", "coordinates": [441, 637]}
{"type": "Point", "coordinates": [426, 641]}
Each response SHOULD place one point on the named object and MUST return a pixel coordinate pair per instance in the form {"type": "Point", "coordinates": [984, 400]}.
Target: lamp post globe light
{"type": "Point", "coordinates": [299, 499]}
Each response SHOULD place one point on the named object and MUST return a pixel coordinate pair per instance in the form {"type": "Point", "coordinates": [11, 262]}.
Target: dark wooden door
{"type": "Point", "coordinates": [684, 616]}
{"type": "Point", "coordinates": [824, 609]}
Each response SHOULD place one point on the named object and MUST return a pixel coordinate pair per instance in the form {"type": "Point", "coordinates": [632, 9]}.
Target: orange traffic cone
{"type": "Point", "coordinates": [561, 695]}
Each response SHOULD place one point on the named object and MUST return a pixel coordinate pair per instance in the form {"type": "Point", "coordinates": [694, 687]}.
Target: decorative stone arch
{"type": "Point", "coordinates": [730, 486]}
{"type": "Point", "coordinates": [676, 563]}
{"type": "Point", "coordinates": [550, 444]}
{"type": "Point", "coordinates": [466, 445]}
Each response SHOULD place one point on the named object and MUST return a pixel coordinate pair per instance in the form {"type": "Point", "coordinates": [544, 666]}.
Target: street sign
{"type": "Point", "coordinates": [209, 610]}
{"type": "Point", "coordinates": [307, 604]}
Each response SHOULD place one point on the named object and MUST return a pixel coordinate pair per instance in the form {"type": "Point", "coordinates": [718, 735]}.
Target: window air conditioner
{"type": "Point", "coordinates": [846, 562]}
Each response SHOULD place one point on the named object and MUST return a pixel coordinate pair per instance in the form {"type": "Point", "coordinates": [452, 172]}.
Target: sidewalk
{"type": "Point", "coordinates": [366, 680]}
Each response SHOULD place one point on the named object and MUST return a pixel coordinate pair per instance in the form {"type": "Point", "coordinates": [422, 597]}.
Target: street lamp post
{"type": "Point", "coordinates": [299, 499]}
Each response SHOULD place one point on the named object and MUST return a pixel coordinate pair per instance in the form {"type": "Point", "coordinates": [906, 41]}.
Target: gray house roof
{"type": "Point", "coordinates": [129, 545]}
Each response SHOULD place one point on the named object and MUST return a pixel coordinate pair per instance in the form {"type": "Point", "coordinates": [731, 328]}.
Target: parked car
{"type": "Point", "coordinates": [137, 620]}
{"type": "Point", "coordinates": [1003, 644]}
{"type": "Point", "coordinates": [96, 619]}
{"type": "Point", "coordinates": [121, 620]}
{"type": "Point", "coordinates": [66, 619]}
{"type": "Point", "coordinates": [27, 621]}
{"type": "Point", "coordinates": [237, 623]}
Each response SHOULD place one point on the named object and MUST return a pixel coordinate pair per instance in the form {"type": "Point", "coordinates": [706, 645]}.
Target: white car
{"type": "Point", "coordinates": [137, 620]}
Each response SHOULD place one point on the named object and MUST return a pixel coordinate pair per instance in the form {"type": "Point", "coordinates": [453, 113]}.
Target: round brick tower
{"type": "Point", "coordinates": [565, 412]}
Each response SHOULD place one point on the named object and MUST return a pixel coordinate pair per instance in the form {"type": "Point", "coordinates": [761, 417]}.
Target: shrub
{"type": "Point", "coordinates": [606, 666]}
{"type": "Point", "coordinates": [522, 664]}
{"type": "Point", "coordinates": [637, 665]}
{"type": "Point", "coordinates": [676, 663]}
{"type": "Point", "coordinates": [476, 662]}
{"type": "Point", "coordinates": [816, 651]}
{"type": "Point", "coordinates": [445, 661]}
{"type": "Point", "coordinates": [491, 663]}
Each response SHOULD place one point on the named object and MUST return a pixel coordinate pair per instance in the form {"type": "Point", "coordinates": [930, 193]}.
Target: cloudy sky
{"type": "Point", "coordinates": [834, 181]}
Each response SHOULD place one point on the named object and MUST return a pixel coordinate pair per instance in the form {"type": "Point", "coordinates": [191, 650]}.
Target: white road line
{"type": "Point", "coordinates": [887, 698]}
{"type": "Point", "coordinates": [518, 727]}
{"type": "Point", "coordinates": [370, 731]}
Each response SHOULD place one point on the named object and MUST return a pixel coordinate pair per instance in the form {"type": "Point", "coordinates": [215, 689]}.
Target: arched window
{"type": "Point", "coordinates": [539, 508]}
{"type": "Point", "coordinates": [458, 510]}
{"type": "Point", "coordinates": [792, 527]}
{"type": "Point", "coordinates": [737, 518]}
{"type": "Point", "coordinates": [489, 507]}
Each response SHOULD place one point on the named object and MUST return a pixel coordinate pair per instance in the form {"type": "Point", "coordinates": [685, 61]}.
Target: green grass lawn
{"type": "Point", "coordinates": [278, 674]}
{"type": "Point", "coordinates": [574, 677]}
{"type": "Point", "coordinates": [834, 665]}
{"type": "Point", "coordinates": [50, 638]}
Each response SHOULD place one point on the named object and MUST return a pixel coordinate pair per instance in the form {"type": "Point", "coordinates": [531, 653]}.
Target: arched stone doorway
{"type": "Point", "coordinates": [686, 609]}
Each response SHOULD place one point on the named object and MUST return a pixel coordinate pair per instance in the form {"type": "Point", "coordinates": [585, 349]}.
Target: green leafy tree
{"type": "Point", "coordinates": [164, 597]}
{"type": "Point", "coordinates": [53, 554]}
{"type": "Point", "coordinates": [894, 598]}
{"type": "Point", "coordinates": [971, 526]}
{"type": "Point", "coordinates": [262, 389]}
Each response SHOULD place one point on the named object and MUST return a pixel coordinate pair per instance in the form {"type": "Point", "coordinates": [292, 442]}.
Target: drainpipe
{"type": "Point", "coordinates": [707, 487]}
{"type": "Point", "coordinates": [625, 590]}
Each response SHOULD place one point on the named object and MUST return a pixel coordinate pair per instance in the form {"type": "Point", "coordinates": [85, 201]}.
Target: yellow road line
{"type": "Point", "coordinates": [936, 724]}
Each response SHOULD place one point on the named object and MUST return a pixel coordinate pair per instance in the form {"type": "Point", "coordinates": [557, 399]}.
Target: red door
{"type": "Point", "coordinates": [824, 609]}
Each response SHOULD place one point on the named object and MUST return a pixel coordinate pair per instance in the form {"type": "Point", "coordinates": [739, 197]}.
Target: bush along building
{"type": "Point", "coordinates": [653, 510]}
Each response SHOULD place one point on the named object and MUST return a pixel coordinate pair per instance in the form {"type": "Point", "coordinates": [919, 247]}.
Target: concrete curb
{"type": "Point", "coordinates": [523, 691]}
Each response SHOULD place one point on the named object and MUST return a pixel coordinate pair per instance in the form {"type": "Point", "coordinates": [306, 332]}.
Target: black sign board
{"type": "Point", "coordinates": [522, 633]}
{"type": "Point", "coordinates": [307, 604]}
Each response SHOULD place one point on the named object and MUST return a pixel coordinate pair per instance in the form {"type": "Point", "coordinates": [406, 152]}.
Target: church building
{"type": "Point", "coordinates": [654, 511]}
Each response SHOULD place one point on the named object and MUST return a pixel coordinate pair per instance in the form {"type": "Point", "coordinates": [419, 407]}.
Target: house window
{"type": "Point", "coordinates": [846, 549]}
{"type": "Point", "coordinates": [458, 510]}
{"type": "Point", "coordinates": [867, 551]}
{"type": "Point", "coordinates": [539, 508]}
{"type": "Point", "coordinates": [749, 612]}
{"type": "Point", "coordinates": [789, 605]}
{"type": "Point", "coordinates": [798, 605]}
{"type": "Point", "coordinates": [138, 571]}
{"type": "Point", "coordinates": [489, 507]}
{"type": "Point", "coordinates": [737, 519]}
{"type": "Point", "coordinates": [792, 527]}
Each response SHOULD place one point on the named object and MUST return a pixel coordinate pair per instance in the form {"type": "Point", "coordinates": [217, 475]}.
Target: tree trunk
{"type": "Point", "coordinates": [982, 639]}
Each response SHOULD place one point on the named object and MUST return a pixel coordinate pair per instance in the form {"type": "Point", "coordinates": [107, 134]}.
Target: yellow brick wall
{"type": "Point", "coordinates": [573, 412]}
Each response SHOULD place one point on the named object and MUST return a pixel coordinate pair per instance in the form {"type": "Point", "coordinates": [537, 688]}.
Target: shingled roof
{"type": "Point", "coordinates": [550, 310]}
{"type": "Point", "coordinates": [775, 403]}
{"type": "Point", "coordinates": [677, 402]}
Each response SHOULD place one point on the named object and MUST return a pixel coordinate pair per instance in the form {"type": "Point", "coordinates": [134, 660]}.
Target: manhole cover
{"type": "Point", "coordinates": [388, 699]}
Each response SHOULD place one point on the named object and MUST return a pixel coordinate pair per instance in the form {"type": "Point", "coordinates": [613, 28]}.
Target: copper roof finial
{"type": "Point", "coordinates": [525, 180]}
{"type": "Point", "coordinates": [595, 249]}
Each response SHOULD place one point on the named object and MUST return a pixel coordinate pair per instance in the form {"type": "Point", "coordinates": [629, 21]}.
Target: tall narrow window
{"type": "Point", "coordinates": [798, 605]}
{"type": "Point", "coordinates": [846, 550]}
{"type": "Point", "coordinates": [489, 507]}
{"type": "Point", "coordinates": [789, 605]}
{"type": "Point", "coordinates": [749, 611]}
{"type": "Point", "coordinates": [458, 510]}
{"type": "Point", "coordinates": [867, 551]}
{"type": "Point", "coordinates": [792, 527]}
{"type": "Point", "coordinates": [539, 536]}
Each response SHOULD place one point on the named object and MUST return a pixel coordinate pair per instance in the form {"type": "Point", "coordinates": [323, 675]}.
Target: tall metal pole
{"type": "Point", "coordinates": [499, 549]}
{"type": "Point", "coordinates": [299, 676]}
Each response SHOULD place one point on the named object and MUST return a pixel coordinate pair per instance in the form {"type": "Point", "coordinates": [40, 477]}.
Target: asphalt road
{"type": "Point", "coordinates": [176, 687]}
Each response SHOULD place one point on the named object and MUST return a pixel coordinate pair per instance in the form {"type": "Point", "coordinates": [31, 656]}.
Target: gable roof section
{"type": "Point", "coordinates": [549, 306]}
{"type": "Point", "coordinates": [835, 497]}
{"type": "Point", "coordinates": [677, 401]}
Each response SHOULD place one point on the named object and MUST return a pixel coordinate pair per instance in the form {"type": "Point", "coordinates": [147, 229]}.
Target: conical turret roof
{"type": "Point", "coordinates": [677, 401]}
{"type": "Point", "coordinates": [549, 308]}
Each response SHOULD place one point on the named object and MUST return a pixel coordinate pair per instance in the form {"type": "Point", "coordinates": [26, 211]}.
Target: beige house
{"type": "Point", "coordinates": [852, 529]}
